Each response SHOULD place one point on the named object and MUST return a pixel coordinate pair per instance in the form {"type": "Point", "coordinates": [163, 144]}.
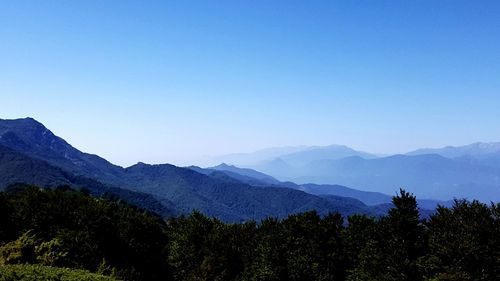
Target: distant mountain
{"type": "Point", "coordinates": [366, 197]}
{"type": "Point", "coordinates": [428, 176]}
{"type": "Point", "coordinates": [471, 171]}
{"type": "Point", "coordinates": [369, 198]}
{"type": "Point", "coordinates": [277, 168]}
{"type": "Point", "coordinates": [474, 150]}
{"type": "Point", "coordinates": [346, 205]}
{"type": "Point", "coordinates": [486, 154]}
{"type": "Point", "coordinates": [295, 156]}
{"type": "Point", "coordinates": [317, 153]}
{"type": "Point", "coordinates": [375, 205]}
{"type": "Point", "coordinates": [40, 157]}
{"type": "Point", "coordinates": [252, 158]}
{"type": "Point", "coordinates": [243, 175]}
{"type": "Point", "coordinates": [490, 160]}
{"type": "Point", "coordinates": [282, 166]}
{"type": "Point", "coordinates": [263, 178]}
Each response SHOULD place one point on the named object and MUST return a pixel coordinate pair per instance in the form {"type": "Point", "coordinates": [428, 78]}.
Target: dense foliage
{"type": "Point", "coordinates": [47, 230]}
{"type": "Point", "coordinates": [46, 273]}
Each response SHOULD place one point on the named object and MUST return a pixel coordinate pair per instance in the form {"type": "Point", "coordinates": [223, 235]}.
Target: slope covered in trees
{"type": "Point", "coordinates": [16, 167]}
{"type": "Point", "coordinates": [59, 228]}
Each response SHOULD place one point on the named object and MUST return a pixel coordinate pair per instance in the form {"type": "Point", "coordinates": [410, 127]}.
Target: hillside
{"type": "Point", "coordinates": [17, 168]}
{"type": "Point", "coordinates": [228, 200]}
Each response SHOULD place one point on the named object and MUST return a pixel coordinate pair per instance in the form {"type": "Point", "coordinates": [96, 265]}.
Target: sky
{"type": "Point", "coordinates": [175, 81]}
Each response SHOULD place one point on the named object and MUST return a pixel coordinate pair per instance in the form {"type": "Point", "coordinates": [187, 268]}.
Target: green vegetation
{"type": "Point", "coordinates": [63, 234]}
{"type": "Point", "coordinates": [46, 273]}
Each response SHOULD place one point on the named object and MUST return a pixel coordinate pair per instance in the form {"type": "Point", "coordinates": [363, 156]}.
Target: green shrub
{"type": "Point", "coordinates": [46, 273]}
{"type": "Point", "coordinates": [21, 250]}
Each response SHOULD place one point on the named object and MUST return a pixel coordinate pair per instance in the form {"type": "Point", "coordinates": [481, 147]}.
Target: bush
{"type": "Point", "coordinates": [39, 272]}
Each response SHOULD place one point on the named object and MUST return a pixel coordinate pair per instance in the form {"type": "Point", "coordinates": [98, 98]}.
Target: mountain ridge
{"type": "Point", "coordinates": [183, 188]}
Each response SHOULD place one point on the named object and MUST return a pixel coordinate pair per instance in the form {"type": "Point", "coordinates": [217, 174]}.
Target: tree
{"type": "Point", "coordinates": [51, 253]}
{"type": "Point", "coordinates": [7, 231]}
{"type": "Point", "coordinates": [22, 250]}
{"type": "Point", "coordinates": [388, 248]}
{"type": "Point", "coordinates": [464, 242]}
{"type": "Point", "coordinates": [407, 236]}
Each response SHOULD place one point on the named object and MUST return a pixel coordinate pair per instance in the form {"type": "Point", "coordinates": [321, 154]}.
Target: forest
{"type": "Point", "coordinates": [68, 233]}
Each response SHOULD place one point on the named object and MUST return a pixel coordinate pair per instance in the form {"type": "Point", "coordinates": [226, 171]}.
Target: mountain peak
{"type": "Point", "coordinates": [29, 131]}
{"type": "Point", "coordinates": [141, 164]}
{"type": "Point", "coordinates": [224, 165]}
{"type": "Point", "coordinates": [474, 149]}
{"type": "Point", "coordinates": [28, 121]}
{"type": "Point", "coordinates": [487, 145]}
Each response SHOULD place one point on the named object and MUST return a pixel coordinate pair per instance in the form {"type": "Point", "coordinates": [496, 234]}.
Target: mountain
{"type": "Point", "coordinates": [427, 176]}
{"type": "Point", "coordinates": [480, 153]}
{"type": "Point", "coordinates": [471, 171]}
{"type": "Point", "coordinates": [252, 158]}
{"type": "Point", "coordinates": [284, 165]}
{"type": "Point", "coordinates": [243, 175]}
{"type": "Point", "coordinates": [347, 205]}
{"type": "Point", "coordinates": [246, 175]}
{"type": "Point", "coordinates": [490, 160]}
{"type": "Point", "coordinates": [231, 176]}
{"type": "Point", "coordinates": [35, 140]}
{"type": "Point", "coordinates": [229, 200]}
{"type": "Point", "coordinates": [277, 168]}
{"type": "Point", "coordinates": [348, 201]}
{"type": "Point", "coordinates": [368, 198]}
{"type": "Point", "coordinates": [474, 150]}
{"type": "Point", "coordinates": [40, 157]}
{"type": "Point", "coordinates": [318, 153]}
{"type": "Point", "coordinates": [245, 172]}
{"type": "Point", "coordinates": [16, 168]}
{"type": "Point", "coordinates": [295, 156]}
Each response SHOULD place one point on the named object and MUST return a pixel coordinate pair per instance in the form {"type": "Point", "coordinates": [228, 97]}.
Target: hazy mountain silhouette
{"type": "Point", "coordinates": [369, 198]}
{"type": "Point", "coordinates": [252, 158]}
{"type": "Point", "coordinates": [318, 153]}
{"type": "Point", "coordinates": [471, 171]}
{"type": "Point", "coordinates": [293, 155]}
{"type": "Point", "coordinates": [428, 175]}
{"type": "Point", "coordinates": [480, 153]}
{"type": "Point", "coordinates": [474, 150]}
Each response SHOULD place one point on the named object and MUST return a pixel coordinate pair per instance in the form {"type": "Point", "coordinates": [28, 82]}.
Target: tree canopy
{"type": "Point", "coordinates": [48, 230]}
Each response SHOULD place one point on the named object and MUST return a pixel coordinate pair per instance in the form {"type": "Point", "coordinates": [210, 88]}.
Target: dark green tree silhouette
{"type": "Point", "coordinates": [464, 243]}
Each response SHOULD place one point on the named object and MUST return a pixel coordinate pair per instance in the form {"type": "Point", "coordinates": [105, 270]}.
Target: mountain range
{"type": "Point", "coordinates": [471, 171]}
{"type": "Point", "coordinates": [255, 178]}
{"type": "Point", "coordinates": [292, 180]}
{"type": "Point", "coordinates": [31, 154]}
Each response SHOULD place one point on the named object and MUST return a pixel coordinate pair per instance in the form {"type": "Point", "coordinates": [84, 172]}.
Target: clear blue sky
{"type": "Point", "coordinates": [172, 81]}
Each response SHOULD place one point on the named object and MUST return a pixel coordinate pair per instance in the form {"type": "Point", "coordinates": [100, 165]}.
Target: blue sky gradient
{"type": "Point", "coordinates": [165, 81]}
